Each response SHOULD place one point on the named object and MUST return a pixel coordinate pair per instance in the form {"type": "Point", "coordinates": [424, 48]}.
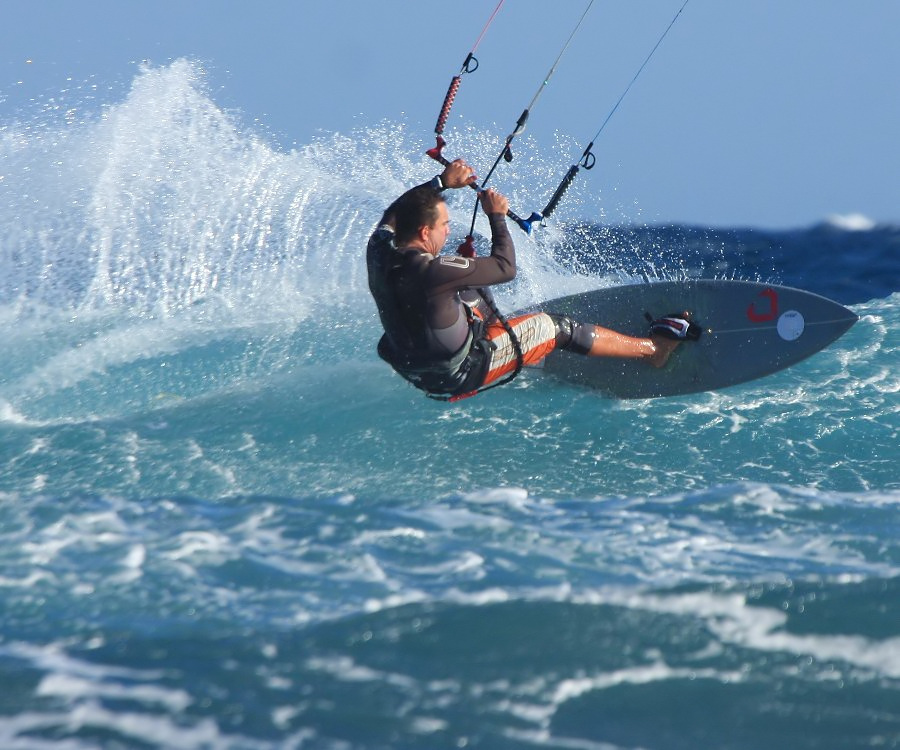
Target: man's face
{"type": "Point", "coordinates": [439, 231]}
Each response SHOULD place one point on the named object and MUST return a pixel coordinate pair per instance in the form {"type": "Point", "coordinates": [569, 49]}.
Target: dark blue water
{"type": "Point", "coordinates": [225, 524]}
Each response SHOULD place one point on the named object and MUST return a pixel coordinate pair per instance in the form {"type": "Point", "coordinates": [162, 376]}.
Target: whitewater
{"type": "Point", "coordinates": [225, 523]}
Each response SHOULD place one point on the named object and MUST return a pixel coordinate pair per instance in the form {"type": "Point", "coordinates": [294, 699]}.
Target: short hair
{"type": "Point", "coordinates": [414, 209]}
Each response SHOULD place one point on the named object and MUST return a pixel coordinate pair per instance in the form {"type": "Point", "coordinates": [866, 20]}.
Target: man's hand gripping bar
{"type": "Point", "coordinates": [525, 224]}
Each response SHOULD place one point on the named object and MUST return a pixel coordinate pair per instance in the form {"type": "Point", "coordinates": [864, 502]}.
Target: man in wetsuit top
{"type": "Point", "coordinates": [441, 330]}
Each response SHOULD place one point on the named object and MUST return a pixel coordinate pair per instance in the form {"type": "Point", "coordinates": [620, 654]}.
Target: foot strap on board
{"type": "Point", "coordinates": [678, 326]}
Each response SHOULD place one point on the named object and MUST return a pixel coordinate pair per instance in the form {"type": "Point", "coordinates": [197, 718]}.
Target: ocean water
{"type": "Point", "coordinates": [224, 523]}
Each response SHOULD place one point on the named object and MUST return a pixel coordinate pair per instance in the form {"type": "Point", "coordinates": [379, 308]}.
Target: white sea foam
{"type": "Point", "coordinates": [762, 629]}
{"type": "Point", "coordinates": [74, 687]}
{"type": "Point", "coordinates": [851, 222]}
{"type": "Point", "coordinates": [202, 547]}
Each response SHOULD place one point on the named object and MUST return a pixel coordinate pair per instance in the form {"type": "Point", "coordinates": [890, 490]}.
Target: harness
{"type": "Point", "coordinates": [404, 344]}
{"type": "Point", "coordinates": [439, 378]}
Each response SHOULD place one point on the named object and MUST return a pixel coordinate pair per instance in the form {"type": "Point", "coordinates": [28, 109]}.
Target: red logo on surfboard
{"type": "Point", "coordinates": [768, 310]}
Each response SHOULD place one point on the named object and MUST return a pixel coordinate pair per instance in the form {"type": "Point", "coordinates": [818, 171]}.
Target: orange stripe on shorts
{"type": "Point", "coordinates": [537, 337]}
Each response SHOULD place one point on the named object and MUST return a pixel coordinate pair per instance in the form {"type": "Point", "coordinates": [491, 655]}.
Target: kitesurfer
{"type": "Point", "coordinates": [443, 332]}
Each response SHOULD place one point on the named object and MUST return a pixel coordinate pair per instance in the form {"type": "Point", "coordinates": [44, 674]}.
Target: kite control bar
{"type": "Point", "coordinates": [525, 224]}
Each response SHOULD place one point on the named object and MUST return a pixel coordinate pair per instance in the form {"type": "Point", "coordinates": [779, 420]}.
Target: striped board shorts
{"type": "Point", "coordinates": [537, 337]}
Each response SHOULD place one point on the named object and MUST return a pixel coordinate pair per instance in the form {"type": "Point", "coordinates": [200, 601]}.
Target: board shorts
{"type": "Point", "coordinates": [536, 333]}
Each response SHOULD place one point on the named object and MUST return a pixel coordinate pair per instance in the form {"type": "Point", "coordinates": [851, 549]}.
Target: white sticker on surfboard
{"type": "Point", "coordinates": [790, 325]}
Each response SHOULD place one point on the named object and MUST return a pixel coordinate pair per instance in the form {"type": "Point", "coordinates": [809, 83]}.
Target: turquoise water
{"type": "Point", "coordinates": [225, 524]}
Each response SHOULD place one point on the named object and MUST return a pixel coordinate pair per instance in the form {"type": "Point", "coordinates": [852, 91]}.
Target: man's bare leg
{"type": "Point", "coordinates": [654, 350]}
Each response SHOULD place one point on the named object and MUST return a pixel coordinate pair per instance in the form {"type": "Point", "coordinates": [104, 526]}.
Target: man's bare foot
{"type": "Point", "coordinates": [663, 348]}
{"type": "Point", "coordinates": [668, 332]}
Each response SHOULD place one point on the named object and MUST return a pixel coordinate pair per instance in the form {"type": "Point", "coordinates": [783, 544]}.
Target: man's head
{"type": "Point", "coordinates": [422, 220]}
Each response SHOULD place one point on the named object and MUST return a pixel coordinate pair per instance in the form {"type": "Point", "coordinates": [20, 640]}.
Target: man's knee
{"type": "Point", "coordinates": [573, 336]}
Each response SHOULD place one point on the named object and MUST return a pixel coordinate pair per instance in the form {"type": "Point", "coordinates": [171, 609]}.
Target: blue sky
{"type": "Point", "coordinates": [771, 113]}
